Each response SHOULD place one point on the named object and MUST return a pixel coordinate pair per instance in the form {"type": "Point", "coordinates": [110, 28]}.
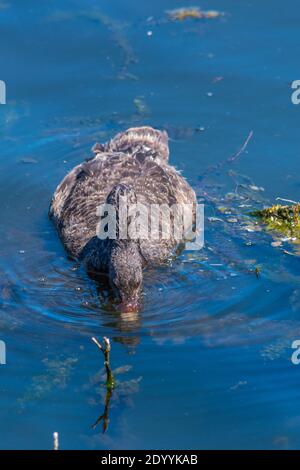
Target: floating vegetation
{"type": "Point", "coordinates": [141, 106]}
{"type": "Point", "coordinates": [182, 132]}
{"type": "Point", "coordinates": [120, 39]}
{"type": "Point", "coordinates": [276, 350]}
{"type": "Point", "coordinates": [116, 30]}
{"type": "Point", "coordinates": [56, 376]}
{"type": "Point", "coordinates": [28, 160]}
{"type": "Point", "coordinates": [244, 204]}
{"type": "Point", "coordinates": [282, 219]}
{"type": "Point", "coordinates": [181, 14]}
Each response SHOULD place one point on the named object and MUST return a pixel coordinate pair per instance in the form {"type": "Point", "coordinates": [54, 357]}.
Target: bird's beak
{"type": "Point", "coordinates": [129, 306]}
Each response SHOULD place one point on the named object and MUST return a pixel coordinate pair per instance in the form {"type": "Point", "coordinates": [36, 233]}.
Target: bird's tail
{"type": "Point", "coordinates": [140, 141]}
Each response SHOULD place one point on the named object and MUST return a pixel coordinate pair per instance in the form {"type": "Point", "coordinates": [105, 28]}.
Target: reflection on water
{"type": "Point", "coordinates": [206, 363]}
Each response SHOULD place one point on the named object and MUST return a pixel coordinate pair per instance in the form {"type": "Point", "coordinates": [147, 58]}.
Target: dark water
{"type": "Point", "coordinates": [207, 363]}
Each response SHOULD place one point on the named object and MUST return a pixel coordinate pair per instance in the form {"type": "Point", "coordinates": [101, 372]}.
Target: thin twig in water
{"type": "Point", "coordinates": [228, 161]}
{"type": "Point", "coordinates": [110, 381]}
{"type": "Point", "coordinates": [286, 200]}
{"type": "Point", "coordinates": [242, 149]}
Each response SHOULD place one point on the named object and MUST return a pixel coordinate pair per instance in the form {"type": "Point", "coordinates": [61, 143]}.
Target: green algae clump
{"type": "Point", "coordinates": [282, 219]}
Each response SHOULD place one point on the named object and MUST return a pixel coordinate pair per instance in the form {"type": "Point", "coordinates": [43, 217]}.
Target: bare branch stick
{"type": "Point", "coordinates": [110, 381]}
{"type": "Point", "coordinates": [242, 149]}
{"type": "Point", "coordinates": [228, 161]}
{"type": "Point", "coordinates": [98, 344]}
{"type": "Point", "coordinates": [286, 200]}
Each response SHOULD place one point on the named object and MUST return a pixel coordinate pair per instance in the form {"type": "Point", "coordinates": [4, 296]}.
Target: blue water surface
{"type": "Point", "coordinates": [207, 363]}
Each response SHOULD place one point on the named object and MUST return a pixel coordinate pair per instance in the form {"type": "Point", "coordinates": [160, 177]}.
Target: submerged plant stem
{"type": "Point", "coordinates": [110, 381]}
{"type": "Point", "coordinates": [105, 415]}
